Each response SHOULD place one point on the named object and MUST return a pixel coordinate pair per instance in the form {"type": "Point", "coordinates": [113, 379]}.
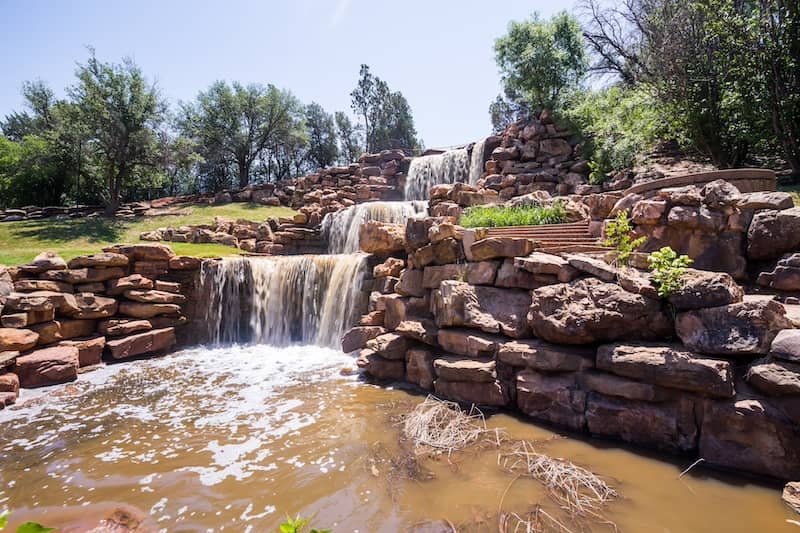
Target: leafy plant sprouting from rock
{"type": "Point", "coordinates": [618, 235]}
{"type": "Point", "coordinates": [27, 527]}
{"type": "Point", "coordinates": [668, 270]}
{"type": "Point", "coordinates": [298, 525]}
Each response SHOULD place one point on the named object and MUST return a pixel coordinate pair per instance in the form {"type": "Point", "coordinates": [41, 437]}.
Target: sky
{"type": "Point", "coordinates": [438, 53]}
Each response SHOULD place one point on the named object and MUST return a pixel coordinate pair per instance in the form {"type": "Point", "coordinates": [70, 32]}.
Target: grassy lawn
{"type": "Point", "coordinates": [20, 242]}
{"type": "Point", "coordinates": [498, 216]}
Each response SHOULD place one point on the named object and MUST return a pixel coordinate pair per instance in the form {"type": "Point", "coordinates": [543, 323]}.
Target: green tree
{"type": "Point", "coordinates": [120, 113]}
{"type": "Point", "coordinates": [541, 61]}
{"type": "Point", "coordinates": [323, 149]}
{"type": "Point", "coordinates": [235, 124]}
{"type": "Point", "coordinates": [349, 138]}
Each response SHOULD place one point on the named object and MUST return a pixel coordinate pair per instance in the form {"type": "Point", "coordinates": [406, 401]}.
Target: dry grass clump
{"type": "Point", "coordinates": [445, 426]}
{"type": "Point", "coordinates": [537, 521]}
{"type": "Point", "coordinates": [577, 490]}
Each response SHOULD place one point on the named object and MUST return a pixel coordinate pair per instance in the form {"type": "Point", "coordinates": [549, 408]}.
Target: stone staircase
{"type": "Point", "coordinates": [554, 238]}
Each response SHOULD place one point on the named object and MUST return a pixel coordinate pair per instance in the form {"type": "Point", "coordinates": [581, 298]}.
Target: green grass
{"type": "Point", "coordinates": [21, 241]}
{"type": "Point", "coordinates": [497, 216]}
{"type": "Point", "coordinates": [791, 188]}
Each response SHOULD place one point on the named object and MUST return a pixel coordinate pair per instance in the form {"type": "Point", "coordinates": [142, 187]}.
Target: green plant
{"type": "Point", "coordinates": [298, 525]}
{"type": "Point", "coordinates": [668, 270]}
{"type": "Point", "coordinates": [618, 235]}
{"type": "Point", "coordinates": [597, 175]}
{"type": "Point", "coordinates": [27, 527]}
{"type": "Point", "coordinates": [498, 216]}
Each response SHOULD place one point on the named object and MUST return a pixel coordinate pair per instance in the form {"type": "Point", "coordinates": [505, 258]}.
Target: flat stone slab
{"type": "Point", "coordinates": [464, 369]}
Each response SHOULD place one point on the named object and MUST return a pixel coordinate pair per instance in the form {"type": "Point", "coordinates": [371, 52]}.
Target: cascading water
{"type": "Point", "coordinates": [426, 171]}
{"type": "Point", "coordinates": [341, 228]}
{"type": "Point", "coordinates": [302, 299]}
{"type": "Point", "coordinates": [476, 162]}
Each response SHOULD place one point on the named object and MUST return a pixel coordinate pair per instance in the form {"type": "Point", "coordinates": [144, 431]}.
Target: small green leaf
{"type": "Point", "coordinates": [33, 527]}
{"type": "Point", "coordinates": [4, 519]}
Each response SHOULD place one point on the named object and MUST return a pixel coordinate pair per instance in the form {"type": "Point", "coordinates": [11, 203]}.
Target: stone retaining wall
{"type": "Point", "coordinates": [59, 318]}
{"type": "Point", "coordinates": [573, 341]}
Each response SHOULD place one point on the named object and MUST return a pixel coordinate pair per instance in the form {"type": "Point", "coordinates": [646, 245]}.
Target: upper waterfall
{"type": "Point", "coordinates": [427, 171]}
{"type": "Point", "coordinates": [476, 162]}
{"type": "Point", "coordinates": [341, 228]}
{"type": "Point", "coordinates": [306, 299]}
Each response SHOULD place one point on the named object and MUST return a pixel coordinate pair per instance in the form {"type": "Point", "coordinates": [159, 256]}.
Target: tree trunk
{"type": "Point", "coordinates": [244, 173]}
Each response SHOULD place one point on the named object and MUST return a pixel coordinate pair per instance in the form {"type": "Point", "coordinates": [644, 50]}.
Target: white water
{"type": "Point", "coordinates": [305, 299]}
{"type": "Point", "coordinates": [341, 228]}
{"type": "Point", "coordinates": [425, 172]}
{"type": "Point", "coordinates": [476, 163]}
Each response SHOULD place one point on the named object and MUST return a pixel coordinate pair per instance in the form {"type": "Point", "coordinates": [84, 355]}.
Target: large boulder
{"type": "Point", "coordinates": [153, 341]}
{"type": "Point", "coordinates": [555, 398]}
{"type": "Point", "coordinates": [388, 346]}
{"type": "Point", "coordinates": [611, 385]}
{"type": "Point", "coordinates": [482, 273]}
{"type": "Point", "coordinates": [786, 345]}
{"type": "Point", "coordinates": [423, 330]}
{"type": "Point", "coordinates": [105, 259]}
{"type": "Point", "coordinates": [500, 247]}
{"type": "Point", "coordinates": [454, 368]}
{"type": "Point", "coordinates": [35, 285]}
{"type": "Point", "coordinates": [143, 310]}
{"type": "Point", "coordinates": [357, 337]}
{"type": "Point", "coordinates": [668, 366]}
{"type": "Point", "coordinates": [43, 262]}
{"type": "Point", "coordinates": [17, 340]}
{"type": "Point", "coordinates": [488, 309]}
{"type": "Point", "coordinates": [381, 238]}
{"type": "Point", "coordinates": [773, 233]}
{"type": "Point", "coordinates": [89, 306]}
{"type": "Point", "coordinates": [419, 368]}
{"type": "Point", "coordinates": [703, 289]}
{"type": "Point", "coordinates": [143, 252]}
{"type": "Point", "coordinates": [469, 342]}
{"type": "Point", "coordinates": [118, 286]}
{"type": "Point", "coordinates": [61, 329]}
{"type": "Point", "coordinates": [589, 310]}
{"type": "Point", "coordinates": [746, 328]}
{"type": "Point", "coordinates": [154, 296]}
{"type": "Point", "coordinates": [540, 355]}
{"type": "Point", "coordinates": [547, 264]}
{"type": "Point", "coordinates": [380, 367]}
{"type": "Point", "coordinates": [90, 349]}
{"type": "Point", "coordinates": [490, 393]}
{"type": "Point", "coordinates": [774, 377]}
{"type": "Point", "coordinates": [48, 366]}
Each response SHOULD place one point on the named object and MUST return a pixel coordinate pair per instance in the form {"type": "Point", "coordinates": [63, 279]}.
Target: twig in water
{"type": "Point", "coordinates": [691, 466]}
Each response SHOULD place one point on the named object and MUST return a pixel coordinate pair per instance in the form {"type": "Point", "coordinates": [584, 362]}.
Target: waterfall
{"type": "Point", "coordinates": [341, 228]}
{"type": "Point", "coordinates": [476, 163]}
{"type": "Point", "coordinates": [427, 171]}
{"type": "Point", "coordinates": [302, 299]}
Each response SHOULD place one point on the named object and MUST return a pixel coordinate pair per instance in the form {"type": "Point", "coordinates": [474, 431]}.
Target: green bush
{"type": "Point", "coordinates": [668, 270]}
{"type": "Point", "coordinates": [618, 235]}
{"type": "Point", "coordinates": [499, 216]}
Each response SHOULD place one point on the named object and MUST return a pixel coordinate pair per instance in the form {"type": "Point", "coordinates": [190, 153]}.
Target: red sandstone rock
{"type": "Point", "coordinates": [31, 285]}
{"type": "Point", "coordinates": [454, 368]}
{"type": "Point", "coordinates": [540, 355]}
{"type": "Point", "coordinates": [489, 309]}
{"type": "Point", "coordinates": [388, 346]}
{"type": "Point", "coordinates": [90, 306]}
{"type": "Point", "coordinates": [105, 259]}
{"type": "Point", "coordinates": [90, 349]}
{"type": "Point", "coordinates": [469, 342]}
{"type": "Point", "coordinates": [134, 281]}
{"type": "Point", "coordinates": [357, 337]}
{"type": "Point", "coordinates": [381, 367]}
{"type": "Point", "coordinates": [419, 368]}
{"type": "Point", "coordinates": [481, 393]}
{"type": "Point", "coordinates": [17, 340]}
{"type": "Point", "coordinates": [495, 247]}
{"type": "Point", "coordinates": [184, 262]}
{"type": "Point", "coordinates": [703, 289]}
{"type": "Point", "coordinates": [381, 238]}
{"type": "Point", "coordinates": [9, 382]}
{"type": "Point", "coordinates": [84, 275]}
{"type": "Point", "coordinates": [142, 343]}
{"type": "Point", "coordinates": [47, 366]}
{"type": "Point", "coordinates": [144, 310]}
{"type": "Point", "coordinates": [389, 268]}
{"type": "Point", "coordinates": [154, 296]}
{"type": "Point", "coordinates": [555, 398]}
{"type": "Point", "coordinates": [143, 252]}
{"type": "Point", "coordinates": [774, 377]}
{"type": "Point", "coordinates": [61, 329]}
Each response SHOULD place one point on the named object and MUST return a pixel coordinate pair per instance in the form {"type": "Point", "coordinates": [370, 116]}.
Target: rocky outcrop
{"type": "Point", "coordinates": [381, 239]}
{"type": "Point", "coordinates": [488, 309]}
{"type": "Point", "coordinates": [47, 366]}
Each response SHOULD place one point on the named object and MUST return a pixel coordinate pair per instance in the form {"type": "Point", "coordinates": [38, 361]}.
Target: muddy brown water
{"type": "Point", "coordinates": [234, 439]}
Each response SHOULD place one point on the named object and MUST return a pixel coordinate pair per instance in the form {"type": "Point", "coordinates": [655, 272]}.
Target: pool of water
{"type": "Point", "coordinates": [236, 438]}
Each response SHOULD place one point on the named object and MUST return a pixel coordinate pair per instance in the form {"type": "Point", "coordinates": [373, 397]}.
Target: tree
{"type": "Point", "coordinates": [322, 147]}
{"type": "Point", "coordinates": [387, 117]}
{"type": "Point", "coordinates": [349, 138]}
{"type": "Point", "coordinates": [541, 60]}
{"type": "Point", "coordinates": [179, 160]}
{"type": "Point", "coordinates": [41, 101]}
{"type": "Point", "coordinates": [120, 112]}
{"type": "Point", "coordinates": [234, 124]}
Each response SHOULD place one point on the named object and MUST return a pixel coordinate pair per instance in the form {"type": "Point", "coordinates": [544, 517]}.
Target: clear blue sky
{"type": "Point", "coordinates": [438, 53]}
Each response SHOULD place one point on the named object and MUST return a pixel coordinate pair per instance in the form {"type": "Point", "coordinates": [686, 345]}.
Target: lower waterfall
{"type": "Point", "coordinates": [302, 299]}
{"type": "Point", "coordinates": [427, 171]}
{"type": "Point", "coordinates": [476, 163]}
{"type": "Point", "coordinates": [341, 228]}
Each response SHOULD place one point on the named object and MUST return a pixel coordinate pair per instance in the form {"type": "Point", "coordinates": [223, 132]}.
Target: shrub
{"type": "Point", "coordinates": [619, 233]}
{"type": "Point", "coordinates": [498, 216]}
{"type": "Point", "coordinates": [668, 270]}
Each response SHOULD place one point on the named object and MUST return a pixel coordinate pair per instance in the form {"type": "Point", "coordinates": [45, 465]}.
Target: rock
{"type": "Point", "coordinates": [786, 345]}
{"type": "Point", "coordinates": [151, 269]}
{"type": "Point", "coordinates": [84, 275]}
{"type": "Point", "coordinates": [381, 368]}
{"type": "Point", "coordinates": [511, 277]}
{"type": "Point", "coordinates": [61, 329]}
{"type": "Point", "coordinates": [453, 368]}
{"type": "Point", "coordinates": [540, 355]}
{"type": "Point", "coordinates": [555, 398]}
{"type": "Point", "coordinates": [381, 238]}
{"type": "Point", "coordinates": [419, 368]}
{"type": "Point", "coordinates": [357, 337]}
{"type": "Point", "coordinates": [668, 426]}
{"type": "Point", "coordinates": [423, 330]}
{"type": "Point", "coordinates": [7, 359]}
{"type": "Point", "coordinates": [34, 285]}
{"type": "Point", "coordinates": [154, 296]}
{"type": "Point", "coordinates": [116, 287]}
{"type": "Point", "coordinates": [399, 308]}
{"type": "Point", "coordinates": [542, 263]}
{"type": "Point", "coordinates": [774, 377]}
{"type": "Point", "coordinates": [482, 273]}
{"type": "Point", "coordinates": [447, 251]}
{"type": "Point", "coordinates": [773, 233]}
{"type": "Point", "coordinates": [469, 342]}
{"type": "Point", "coordinates": [43, 262]}
{"type": "Point", "coordinates": [17, 340]}
{"type": "Point", "coordinates": [392, 267]}
{"type": "Point", "coordinates": [668, 366]}
{"type": "Point", "coordinates": [766, 200]}
{"type": "Point", "coordinates": [637, 282]}
{"type": "Point", "coordinates": [98, 288]}
{"type": "Point", "coordinates": [442, 231]}
{"type": "Point", "coordinates": [141, 343]}
{"type": "Point", "coordinates": [90, 350]}
{"type": "Point", "coordinates": [105, 259]}
{"type": "Point", "coordinates": [791, 496]}
{"type": "Point", "coordinates": [589, 310]}
{"type": "Point", "coordinates": [144, 310]}
{"type": "Point", "coordinates": [388, 346]}
{"type": "Point", "coordinates": [21, 320]}
{"type": "Point", "coordinates": [495, 247]}
{"type": "Point", "coordinates": [593, 266]}
{"type": "Point", "coordinates": [489, 309]}
{"type": "Point", "coordinates": [553, 147]}
{"type": "Point", "coordinates": [720, 193]}
{"type": "Point", "coordinates": [184, 262]}
{"type": "Point", "coordinates": [703, 289]}
{"type": "Point", "coordinates": [481, 393]}
{"type": "Point", "coordinates": [752, 435]}
{"type": "Point", "coordinates": [167, 286]}
{"type": "Point", "coordinates": [611, 385]}
{"type": "Point", "coordinates": [410, 283]}
{"type": "Point", "coordinates": [92, 306]}
{"type": "Point", "coordinates": [648, 212]}
{"type": "Point", "coordinates": [33, 302]}
{"type": "Point", "coordinates": [9, 382]}
{"type": "Point", "coordinates": [143, 252]}
{"type": "Point", "coordinates": [48, 366]}
{"type": "Point", "coordinates": [746, 328]}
